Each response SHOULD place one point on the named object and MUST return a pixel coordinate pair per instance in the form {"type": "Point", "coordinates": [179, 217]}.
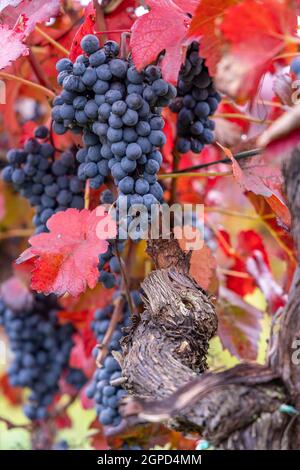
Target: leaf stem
{"type": "Point", "coordinates": [237, 156]}
{"type": "Point", "coordinates": [239, 214]}
{"type": "Point", "coordinates": [87, 193]}
{"type": "Point", "coordinates": [210, 174]}
{"type": "Point", "coordinates": [29, 83]}
{"type": "Point", "coordinates": [242, 117]}
{"type": "Point", "coordinates": [230, 272]}
{"type": "Point", "coordinates": [113, 31]}
{"type": "Point", "coordinates": [52, 41]}
{"type": "Point", "coordinates": [38, 70]}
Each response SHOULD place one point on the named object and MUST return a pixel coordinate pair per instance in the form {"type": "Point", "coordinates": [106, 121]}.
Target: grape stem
{"type": "Point", "coordinates": [87, 195]}
{"type": "Point", "coordinates": [125, 281]}
{"type": "Point", "coordinates": [192, 174]}
{"type": "Point", "coordinates": [230, 272]}
{"type": "Point", "coordinates": [242, 117]}
{"type": "Point", "coordinates": [115, 319]}
{"type": "Point", "coordinates": [52, 41]}
{"type": "Point", "coordinates": [124, 37]}
{"type": "Point", "coordinates": [29, 83]}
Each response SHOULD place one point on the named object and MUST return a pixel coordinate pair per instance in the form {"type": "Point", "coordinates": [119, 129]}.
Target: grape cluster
{"type": "Point", "coordinates": [196, 100]}
{"type": "Point", "coordinates": [41, 349]}
{"type": "Point", "coordinates": [51, 185]}
{"type": "Point", "coordinates": [105, 395]}
{"type": "Point", "coordinates": [118, 109]}
{"type": "Point", "coordinates": [76, 378]}
{"type": "Point", "coordinates": [109, 266]}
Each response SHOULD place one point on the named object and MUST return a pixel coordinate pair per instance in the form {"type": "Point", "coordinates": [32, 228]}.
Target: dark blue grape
{"type": "Point", "coordinates": [141, 186]}
{"type": "Point", "coordinates": [118, 68]}
{"type": "Point", "coordinates": [64, 64]}
{"type": "Point", "coordinates": [90, 44]}
{"type": "Point", "coordinates": [126, 185]}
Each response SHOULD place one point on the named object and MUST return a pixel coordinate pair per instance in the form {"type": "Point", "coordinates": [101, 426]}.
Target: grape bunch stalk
{"type": "Point", "coordinates": [118, 110]}
{"type": "Point", "coordinates": [197, 99]}
{"type": "Point", "coordinates": [41, 350]}
{"type": "Point", "coordinates": [50, 184]}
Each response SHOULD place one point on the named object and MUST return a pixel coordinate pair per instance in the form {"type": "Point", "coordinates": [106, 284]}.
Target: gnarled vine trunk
{"type": "Point", "coordinates": [164, 358]}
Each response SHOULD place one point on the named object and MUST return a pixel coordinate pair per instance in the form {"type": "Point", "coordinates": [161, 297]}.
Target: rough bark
{"type": "Point", "coordinates": [164, 358]}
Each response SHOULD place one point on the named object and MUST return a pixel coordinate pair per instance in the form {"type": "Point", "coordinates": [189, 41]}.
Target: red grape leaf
{"type": "Point", "coordinates": [81, 357]}
{"type": "Point", "coordinates": [239, 325]}
{"type": "Point", "coordinates": [279, 231]}
{"type": "Point", "coordinates": [205, 25]}
{"type": "Point", "coordinates": [87, 27]}
{"type": "Point", "coordinates": [121, 18]}
{"type": "Point", "coordinates": [34, 12]}
{"type": "Point", "coordinates": [16, 46]}
{"type": "Point", "coordinates": [66, 258]}
{"type": "Point", "coordinates": [78, 319]}
{"type": "Point", "coordinates": [257, 32]}
{"type": "Point", "coordinates": [263, 180]}
{"type": "Point", "coordinates": [13, 394]}
{"type": "Point", "coordinates": [163, 28]}
{"type": "Point", "coordinates": [63, 420]}
{"type": "Point", "coordinates": [247, 242]}
{"type": "Point", "coordinates": [202, 262]}
{"type": "Point", "coordinates": [18, 20]}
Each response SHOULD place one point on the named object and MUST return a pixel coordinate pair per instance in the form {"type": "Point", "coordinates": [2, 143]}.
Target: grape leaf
{"type": "Point", "coordinates": [121, 18]}
{"type": "Point", "coordinates": [206, 25]}
{"type": "Point", "coordinates": [202, 261]}
{"type": "Point", "coordinates": [16, 47]}
{"type": "Point", "coordinates": [66, 258]}
{"type": "Point", "coordinates": [6, 3]}
{"type": "Point", "coordinates": [239, 325]}
{"type": "Point", "coordinates": [13, 394]}
{"type": "Point", "coordinates": [164, 28]}
{"type": "Point", "coordinates": [81, 356]}
{"type": "Point", "coordinates": [257, 33]}
{"type": "Point", "coordinates": [87, 27]}
{"type": "Point", "coordinates": [248, 241]}
{"type": "Point", "coordinates": [34, 12]}
{"type": "Point", "coordinates": [263, 180]}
